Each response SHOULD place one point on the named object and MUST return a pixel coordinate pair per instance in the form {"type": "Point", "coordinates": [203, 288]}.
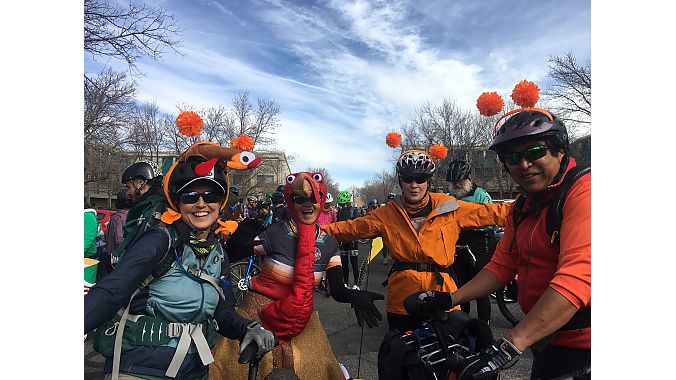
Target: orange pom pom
{"type": "Point", "coordinates": [438, 152]}
{"type": "Point", "coordinates": [489, 103]}
{"type": "Point", "coordinates": [170, 216]}
{"type": "Point", "coordinates": [393, 139]}
{"type": "Point", "coordinates": [242, 142]}
{"type": "Point", "coordinates": [526, 94]}
{"type": "Point", "coordinates": [189, 123]}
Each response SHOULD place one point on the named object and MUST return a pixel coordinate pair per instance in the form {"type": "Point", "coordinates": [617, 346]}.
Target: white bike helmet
{"type": "Point", "coordinates": [329, 198]}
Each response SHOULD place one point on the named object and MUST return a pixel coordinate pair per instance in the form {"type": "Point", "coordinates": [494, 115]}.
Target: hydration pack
{"type": "Point", "coordinates": [140, 218]}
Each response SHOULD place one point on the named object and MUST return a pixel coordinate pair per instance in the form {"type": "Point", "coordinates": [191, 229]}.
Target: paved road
{"type": "Point", "coordinates": [345, 335]}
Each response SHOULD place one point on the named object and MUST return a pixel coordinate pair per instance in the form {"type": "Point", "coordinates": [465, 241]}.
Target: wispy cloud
{"type": "Point", "coordinates": [345, 72]}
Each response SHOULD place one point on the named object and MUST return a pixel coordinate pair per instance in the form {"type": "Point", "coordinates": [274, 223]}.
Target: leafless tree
{"type": "Point", "coordinates": [108, 102]}
{"type": "Point", "coordinates": [379, 186]}
{"type": "Point", "coordinates": [129, 33]}
{"type": "Point", "coordinates": [258, 122]}
{"type": "Point", "coordinates": [569, 91]}
{"type": "Point", "coordinates": [146, 132]}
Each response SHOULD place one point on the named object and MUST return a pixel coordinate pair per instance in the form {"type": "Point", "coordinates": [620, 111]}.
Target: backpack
{"type": "Point", "coordinates": [554, 215]}
{"type": "Point", "coordinates": [347, 213]}
{"type": "Point", "coordinates": [140, 218]}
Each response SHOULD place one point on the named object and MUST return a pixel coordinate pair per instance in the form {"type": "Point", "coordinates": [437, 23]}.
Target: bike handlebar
{"type": "Point", "coordinates": [249, 353]}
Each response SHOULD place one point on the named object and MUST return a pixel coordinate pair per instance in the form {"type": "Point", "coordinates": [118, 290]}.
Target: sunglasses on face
{"type": "Point", "coordinates": [530, 154]}
{"type": "Point", "coordinates": [298, 199]}
{"type": "Point", "coordinates": [193, 196]}
{"type": "Point", "coordinates": [419, 179]}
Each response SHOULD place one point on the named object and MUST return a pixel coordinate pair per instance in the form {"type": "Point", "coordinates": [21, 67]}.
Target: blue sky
{"type": "Point", "coordinates": [345, 73]}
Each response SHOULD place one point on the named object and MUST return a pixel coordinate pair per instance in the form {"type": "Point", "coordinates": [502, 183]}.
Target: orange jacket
{"type": "Point", "coordinates": [566, 268]}
{"type": "Point", "coordinates": [434, 244]}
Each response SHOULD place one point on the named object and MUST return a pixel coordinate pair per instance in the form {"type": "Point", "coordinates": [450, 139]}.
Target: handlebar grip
{"type": "Point", "coordinates": [249, 353]}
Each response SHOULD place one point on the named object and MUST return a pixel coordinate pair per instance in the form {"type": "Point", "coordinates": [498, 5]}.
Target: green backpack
{"type": "Point", "coordinates": [140, 218]}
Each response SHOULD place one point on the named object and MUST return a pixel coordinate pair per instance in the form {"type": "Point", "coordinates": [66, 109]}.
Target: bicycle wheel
{"type": "Point", "coordinates": [509, 308]}
{"type": "Point", "coordinates": [237, 276]}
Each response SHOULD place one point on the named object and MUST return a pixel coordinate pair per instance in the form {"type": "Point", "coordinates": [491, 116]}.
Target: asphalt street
{"type": "Point", "coordinates": [346, 336]}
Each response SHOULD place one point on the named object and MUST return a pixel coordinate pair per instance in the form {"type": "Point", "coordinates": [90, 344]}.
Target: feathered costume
{"type": "Point", "coordinates": [304, 347]}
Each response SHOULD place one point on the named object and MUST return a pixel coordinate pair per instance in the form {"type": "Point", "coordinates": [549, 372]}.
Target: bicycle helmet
{"type": "Point", "coordinates": [329, 198]}
{"type": "Point", "coordinates": [415, 162]}
{"type": "Point", "coordinates": [265, 203]}
{"type": "Point", "coordinates": [251, 198]}
{"type": "Point", "coordinates": [192, 170]}
{"type": "Point", "coordinates": [373, 202]}
{"type": "Point", "coordinates": [277, 197]}
{"type": "Point", "coordinates": [140, 169]}
{"type": "Point", "coordinates": [528, 124]}
{"type": "Point", "coordinates": [391, 195]}
{"type": "Point", "coordinates": [458, 170]}
{"type": "Point", "coordinates": [344, 197]}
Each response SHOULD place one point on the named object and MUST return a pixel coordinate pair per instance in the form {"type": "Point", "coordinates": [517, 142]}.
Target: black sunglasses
{"type": "Point", "coordinates": [530, 154]}
{"type": "Point", "coordinates": [298, 199]}
{"type": "Point", "coordinates": [419, 179]}
{"type": "Point", "coordinates": [208, 196]}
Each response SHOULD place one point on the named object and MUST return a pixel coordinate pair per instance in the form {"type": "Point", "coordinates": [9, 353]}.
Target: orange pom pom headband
{"type": "Point", "coordinates": [393, 140]}
{"type": "Point", "coordinates": [436, 151]}
{"type": "Point", "coordinates": [525, 94]}
{"type": "Point", "coordinates": [189, 123]}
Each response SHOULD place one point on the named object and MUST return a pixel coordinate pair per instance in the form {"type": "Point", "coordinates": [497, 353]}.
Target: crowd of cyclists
{"type": "Point", "coordinates": [162, 293]}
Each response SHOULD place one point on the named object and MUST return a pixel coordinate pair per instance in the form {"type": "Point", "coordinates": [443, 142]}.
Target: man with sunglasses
{"type": "Point", "coordinates": [553, 270]}
{"type": "Point", "coordinates": [420, 230]}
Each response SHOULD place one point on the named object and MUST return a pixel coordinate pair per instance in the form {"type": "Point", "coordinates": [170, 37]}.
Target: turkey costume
{"type": "Point", "coordinates": [281, 296]}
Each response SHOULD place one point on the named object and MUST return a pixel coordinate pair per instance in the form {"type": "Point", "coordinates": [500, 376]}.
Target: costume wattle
{"type": "Point", "coordinates": [287, 317]}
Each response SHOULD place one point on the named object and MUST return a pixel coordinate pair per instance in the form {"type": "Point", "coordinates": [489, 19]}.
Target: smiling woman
{"type": "Point", "coordinates": [173, 273]}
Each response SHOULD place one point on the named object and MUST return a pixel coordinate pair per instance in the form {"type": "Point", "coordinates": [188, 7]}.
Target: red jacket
{"type": "Point", "coordinates": [538, 265]}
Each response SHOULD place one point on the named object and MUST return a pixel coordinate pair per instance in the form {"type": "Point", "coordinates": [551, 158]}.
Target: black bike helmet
{"type": "Point", "coordinates": [528, 124]}
{"type": "Point", "coordinates": [140, 169]}
{"type": "Point", "coordinates": [264, 203]}
{"type": "Point", "coordinates": [458, 170]}
{"type": "Point", "coordinates": [373, 202]}
{"type": "Point", "coordinates": [277, 197]}
{"type": "Point", "coordinates": [415, 162]}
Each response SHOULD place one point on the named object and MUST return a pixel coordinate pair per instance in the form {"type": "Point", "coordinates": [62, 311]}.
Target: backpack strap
{"type": "Point", "coordinates": [554, 215]}
{"type": "Point", "coordinates": [159, 270]}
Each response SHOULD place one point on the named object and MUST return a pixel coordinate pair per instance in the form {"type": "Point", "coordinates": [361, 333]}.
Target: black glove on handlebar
{"type": "Point", "coordinates": [240, 244]}
{"type": "Point", "coordinates": [428, 304]}
{"type": "Point", "coordinates": [364, 309]}
{"type": "Point", "coordinates": [500, 356]}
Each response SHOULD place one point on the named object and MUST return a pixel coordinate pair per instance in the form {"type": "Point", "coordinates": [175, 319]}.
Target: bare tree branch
{"type": "Point", "coordinates": [129, 33]}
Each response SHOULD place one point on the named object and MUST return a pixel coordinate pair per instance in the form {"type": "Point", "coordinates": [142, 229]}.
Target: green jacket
{"type": "Point", "coordinates": [91, 231]}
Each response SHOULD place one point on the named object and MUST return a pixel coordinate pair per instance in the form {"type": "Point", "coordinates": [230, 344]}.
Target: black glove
{"type": "Point", "coordinates": [240, 244]}
{"type": "Point", "coordinates": [364, 309]}
{"type": "Point", "coordinates": [264, 339]}
{"type": "Point", "coordinates": [428, 304]}
{"type": "Point", "coordinates": [500, 356]}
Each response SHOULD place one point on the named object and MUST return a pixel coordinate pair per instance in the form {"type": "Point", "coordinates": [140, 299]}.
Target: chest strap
{"type": "Point", "coordinates": [195, 274]}
{"type": "Point", "coordinates": [419, 267]}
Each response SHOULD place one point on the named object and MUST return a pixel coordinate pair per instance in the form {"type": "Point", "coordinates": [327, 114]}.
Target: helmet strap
{"type": "Point", "coordinates": [137, 190]}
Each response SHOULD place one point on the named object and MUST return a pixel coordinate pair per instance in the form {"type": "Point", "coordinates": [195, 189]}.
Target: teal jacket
{"type": "Point", "coordinates": [477, 195]}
